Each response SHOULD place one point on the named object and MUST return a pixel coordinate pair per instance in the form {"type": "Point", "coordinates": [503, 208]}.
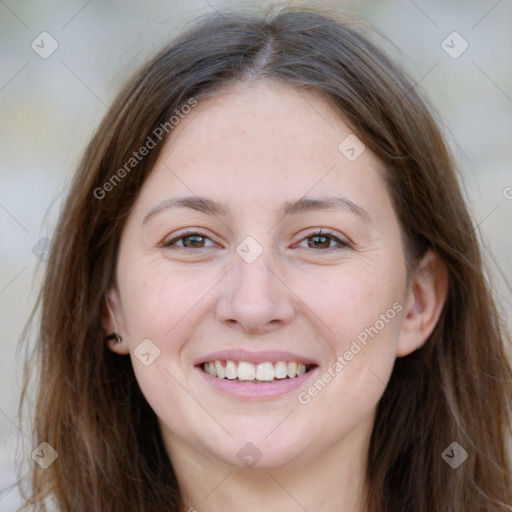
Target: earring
{"type": "Point", "coordinates": [115, 336]}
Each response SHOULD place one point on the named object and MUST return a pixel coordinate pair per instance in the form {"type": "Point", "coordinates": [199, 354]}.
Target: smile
{"type": "Point", "coordinates": [246, 372]}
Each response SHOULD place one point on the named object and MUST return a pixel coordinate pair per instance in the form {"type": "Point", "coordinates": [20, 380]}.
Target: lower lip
{"type": "Point", "coordinates": [256, 391]}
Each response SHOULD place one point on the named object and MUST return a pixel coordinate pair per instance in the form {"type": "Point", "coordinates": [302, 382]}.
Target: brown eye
{"type": "Point", "coordinates": [190, 240]}
{"type": "Point", "coordinates": [322, 241]}
{"type": "Point", "coordinates": [193, 241]}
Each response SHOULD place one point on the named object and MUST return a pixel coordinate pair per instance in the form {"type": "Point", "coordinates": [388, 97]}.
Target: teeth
{"type": "Point", "coordinates": [244, 371]}
{"type": "Point", "coordinates": [231, 370]}
{"type": "Point", "coordinates": [221, 373]}
{"type": "Point", "coordinates": [265, 371]}
{"type": "Point", "coordinates": [280, 370]}
{"type": "Point", "coordinates": [292, 370]}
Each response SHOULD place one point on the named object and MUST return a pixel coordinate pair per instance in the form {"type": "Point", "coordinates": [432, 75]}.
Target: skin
{"type": "Point", "coordinates": [254, 146]}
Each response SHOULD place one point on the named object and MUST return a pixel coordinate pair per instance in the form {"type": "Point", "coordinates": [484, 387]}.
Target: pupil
{"type": "Point", "coordinates": [326, 240]}
{"type": "Point", "coordinates": [194, 238]}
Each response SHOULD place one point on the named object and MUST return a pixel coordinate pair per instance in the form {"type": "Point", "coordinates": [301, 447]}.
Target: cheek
{"type": "Point", "coordinates": [158, 299]}
{"type": "Point", "coordinates": [353, 297]}
{"type": "Point", "coordinates": [360, 310]}
{"type": "Point", "coordinates": [163, 307]}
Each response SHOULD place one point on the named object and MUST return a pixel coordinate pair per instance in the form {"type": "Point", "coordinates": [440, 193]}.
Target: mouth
{"type": "Point", "coordinates": [246, 372]}
{"type": "Point", "coordinates": [242, 374]}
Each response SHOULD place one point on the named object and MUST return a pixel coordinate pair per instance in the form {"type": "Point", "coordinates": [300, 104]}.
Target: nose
{"type": "Point", "coordinates": [255, 298]}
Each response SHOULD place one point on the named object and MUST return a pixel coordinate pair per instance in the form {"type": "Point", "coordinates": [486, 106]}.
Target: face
{"type": "Point", "coordinates": [287, 256]}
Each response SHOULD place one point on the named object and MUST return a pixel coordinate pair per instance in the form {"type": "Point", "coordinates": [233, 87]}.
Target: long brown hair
{"type": "Point", "coordinates": [456, 388]}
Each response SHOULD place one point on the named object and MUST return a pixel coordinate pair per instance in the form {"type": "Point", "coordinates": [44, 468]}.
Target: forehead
{"type": "Point", "coordinates": [264, 142]}
{"type": "Point", "coordinates": [261, 121]}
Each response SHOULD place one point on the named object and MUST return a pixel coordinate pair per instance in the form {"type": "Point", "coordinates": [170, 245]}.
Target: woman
{"type": "Point", "coordinates": [266, 292]}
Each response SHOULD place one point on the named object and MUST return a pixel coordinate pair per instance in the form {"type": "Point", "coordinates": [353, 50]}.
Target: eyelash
{"type": "Point", "coordinates": [321, 233]}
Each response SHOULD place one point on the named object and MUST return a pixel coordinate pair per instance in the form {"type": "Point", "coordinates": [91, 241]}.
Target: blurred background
{"type": "Point", "coordinates": [63, 62]}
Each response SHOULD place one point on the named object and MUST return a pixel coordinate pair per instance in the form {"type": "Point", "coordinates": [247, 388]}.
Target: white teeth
{"type": "Point", "coordinates": [244, 371]}
{"type": "Point", "coordinates": [220, 370]}
{"type": "Point", "coordinates": [281, 372]}
{"type": "Point", "coordinates": [265, 371]}
{"type": "Point", "coordinates": [292, 369]}
{"type": "Point", "coordinates": [231, 370]}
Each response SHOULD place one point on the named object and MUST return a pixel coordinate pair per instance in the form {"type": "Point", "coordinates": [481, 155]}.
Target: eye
{"type": "Point", "coordinates": [189, 239]}
{"type": "Point", "coordinates": [321, 240]}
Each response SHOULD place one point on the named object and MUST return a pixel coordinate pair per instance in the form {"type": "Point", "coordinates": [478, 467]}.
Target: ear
{"type": "Point", "coordinates": [427, 290]}
{"type": "Point", "coordinates": [112, 321]}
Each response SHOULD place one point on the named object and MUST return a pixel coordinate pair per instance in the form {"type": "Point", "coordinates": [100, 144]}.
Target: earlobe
{"type": "Point", "coordinates": [428, 287]}
{"type": "Point", "coordinates": [112, 321]}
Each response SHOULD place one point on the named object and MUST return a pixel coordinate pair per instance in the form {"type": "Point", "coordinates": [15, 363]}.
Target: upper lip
{"type": "Point", "coordinates": [254, 357]}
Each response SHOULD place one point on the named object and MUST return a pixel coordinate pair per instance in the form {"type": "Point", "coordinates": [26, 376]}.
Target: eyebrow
{"type": "Point", "coordinates": [296, 207]}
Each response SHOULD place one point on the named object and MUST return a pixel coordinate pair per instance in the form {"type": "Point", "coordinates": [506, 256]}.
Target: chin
{"type": "Point", "coordinates": [258, 452]}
